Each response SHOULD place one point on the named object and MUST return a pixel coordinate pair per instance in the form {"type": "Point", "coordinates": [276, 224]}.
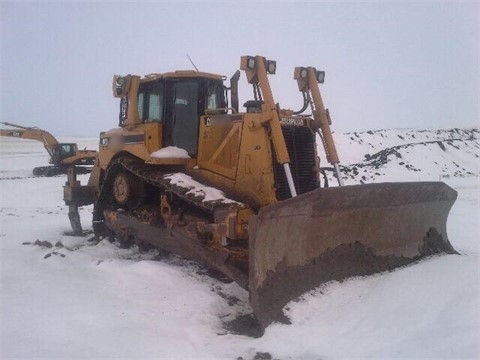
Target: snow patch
{"type": "Point", "coordinates": [170, 152]}
{"type": "Point", "coordinates": [197, 189]}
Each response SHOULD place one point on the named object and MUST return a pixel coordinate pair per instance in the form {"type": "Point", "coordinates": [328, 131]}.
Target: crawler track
{"type": "Point", "coordinates": [180, 237]}
{"type": "Point", "coordinates": [153, 176]}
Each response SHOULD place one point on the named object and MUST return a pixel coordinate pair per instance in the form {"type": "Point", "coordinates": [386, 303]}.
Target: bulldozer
{"type": "Point", "coordinates": [62, 155]}
{"type": "Point", "coordinates": [240, 192]}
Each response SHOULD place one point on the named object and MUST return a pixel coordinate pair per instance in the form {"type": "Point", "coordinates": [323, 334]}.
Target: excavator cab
{"type": "Point", "coordinates": [63, 151]}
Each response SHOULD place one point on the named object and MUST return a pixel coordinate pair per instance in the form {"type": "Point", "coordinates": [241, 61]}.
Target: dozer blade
{"type": "Point", "coordinates": [335, 233]}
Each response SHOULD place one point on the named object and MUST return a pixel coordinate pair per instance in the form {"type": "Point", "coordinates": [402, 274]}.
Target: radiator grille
{"type": "Point", "coordinates": [300, 143]}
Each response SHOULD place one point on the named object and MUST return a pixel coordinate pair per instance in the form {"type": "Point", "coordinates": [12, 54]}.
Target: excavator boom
{"type": "Point", "coordinates": [31, 133]}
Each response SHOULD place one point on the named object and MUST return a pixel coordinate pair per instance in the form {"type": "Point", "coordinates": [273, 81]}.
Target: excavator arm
{"type": "Point", "coordinates": [31, 133]}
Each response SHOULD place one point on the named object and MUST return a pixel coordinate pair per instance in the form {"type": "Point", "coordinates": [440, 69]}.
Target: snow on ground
{"type": "Point", "coordinates": [80, 300]}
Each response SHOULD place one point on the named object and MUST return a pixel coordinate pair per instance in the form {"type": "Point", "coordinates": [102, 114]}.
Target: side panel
{"type": "Point", "coordinates": [237, 154]}
{"type": "Point", "coordinates": [82, 157]}
{"type": "Point", "coordinates": [139, 140]}
{"type": "Point", "coordinates": [255, 170]}
{"type": "Point", "coordinates": [219, 143]}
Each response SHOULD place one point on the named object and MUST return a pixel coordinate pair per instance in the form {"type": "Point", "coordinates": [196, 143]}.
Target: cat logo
{"type": "Point", "coordinates": [222, 119]}
{"type": "Point", "coordinates": [291, 121]}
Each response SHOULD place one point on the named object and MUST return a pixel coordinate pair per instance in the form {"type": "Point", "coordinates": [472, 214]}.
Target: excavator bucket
{"type": "Point", "coordinates": [336, 233]}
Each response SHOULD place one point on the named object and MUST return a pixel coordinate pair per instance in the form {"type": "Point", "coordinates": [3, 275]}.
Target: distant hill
{"type": "Point", "coordinates": [406, 155]}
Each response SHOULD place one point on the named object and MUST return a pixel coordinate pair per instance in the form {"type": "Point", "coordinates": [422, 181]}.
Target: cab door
{"type": "Point", "coordinates": [185, 120]}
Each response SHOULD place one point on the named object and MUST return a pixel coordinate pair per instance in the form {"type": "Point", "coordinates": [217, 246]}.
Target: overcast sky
{"type": "Point", "coordinates": [388, 65]}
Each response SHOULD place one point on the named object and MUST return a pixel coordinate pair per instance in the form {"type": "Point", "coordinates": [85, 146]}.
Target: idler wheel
{"type": "Point", "coordinates": [127, 190]}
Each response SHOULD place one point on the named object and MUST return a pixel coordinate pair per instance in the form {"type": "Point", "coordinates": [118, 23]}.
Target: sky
{"type": "Point", "coordinates": [388, 65]}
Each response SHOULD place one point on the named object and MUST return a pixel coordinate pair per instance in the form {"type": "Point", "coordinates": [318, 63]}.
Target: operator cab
{"type": "Point", "coordinates": [177, 101]}
{"type": "Point", "coordinates": [63, 151]}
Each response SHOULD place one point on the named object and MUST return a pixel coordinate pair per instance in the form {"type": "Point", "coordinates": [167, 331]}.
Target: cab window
{"type": "Point", "coordinates": [150, 103]}
{"type": "Point", "coordinates": [67, 149]}
{"type": "Point", "coordinates": [214, 96]}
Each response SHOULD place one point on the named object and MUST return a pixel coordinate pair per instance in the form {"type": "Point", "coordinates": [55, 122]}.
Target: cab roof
{"type": "Point", "coordinates": [182, 74]}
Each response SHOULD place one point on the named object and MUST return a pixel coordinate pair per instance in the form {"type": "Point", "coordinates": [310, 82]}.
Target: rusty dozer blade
{"type": "Point", "coordinates": [335, 233]}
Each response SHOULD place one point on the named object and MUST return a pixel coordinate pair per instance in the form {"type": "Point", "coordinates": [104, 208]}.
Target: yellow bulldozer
{"type": "Point", "coordinates": [240, 191]}
{"type": "Point", "coordinates": [62, 155]}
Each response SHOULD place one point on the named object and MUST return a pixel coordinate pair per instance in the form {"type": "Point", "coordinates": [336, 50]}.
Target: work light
{"type": "Point", "coordinates": [251, 62]}
{"type": "Point", "coordinates": [320, 77]}
{"type": "Point", "coordinates": [271, 66]}
{"type": "Point", "coordinates": [303, 73]}
{"type": "Point", "coordinates": [120, 82]}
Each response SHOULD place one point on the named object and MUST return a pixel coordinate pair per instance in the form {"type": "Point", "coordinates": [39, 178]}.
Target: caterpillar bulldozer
{"type": "Point", "coordinates": [240, 191]}
{"type": "Point", "coordinates": [62, 155]}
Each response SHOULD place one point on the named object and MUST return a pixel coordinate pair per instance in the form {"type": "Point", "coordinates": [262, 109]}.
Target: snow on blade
{"type": "Point", "coordinates": [197, 189]}
{"type": "Point", "coordinates": [170, 152]}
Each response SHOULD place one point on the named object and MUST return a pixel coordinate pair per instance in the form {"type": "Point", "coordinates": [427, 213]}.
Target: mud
{"type": "Point", "coordinates": [56, 253]}
{"type": "Point", "coordinates": [246, 325]}
{"type": "Point", "coordinates": [43, 244]}
{"type": "Point", "coordinates": [260, 356]}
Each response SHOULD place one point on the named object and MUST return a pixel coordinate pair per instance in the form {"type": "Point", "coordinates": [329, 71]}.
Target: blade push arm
{"type": "Point", "coordinates": [256, 71]}
{"type": "Point", "coordinates": [308, 79]}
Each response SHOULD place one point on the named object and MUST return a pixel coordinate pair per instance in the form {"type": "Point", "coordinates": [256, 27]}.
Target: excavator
{"type": "Point", "coordinates": [240, 191]}
{"type": "Point", "coordinates": [62, 155]}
